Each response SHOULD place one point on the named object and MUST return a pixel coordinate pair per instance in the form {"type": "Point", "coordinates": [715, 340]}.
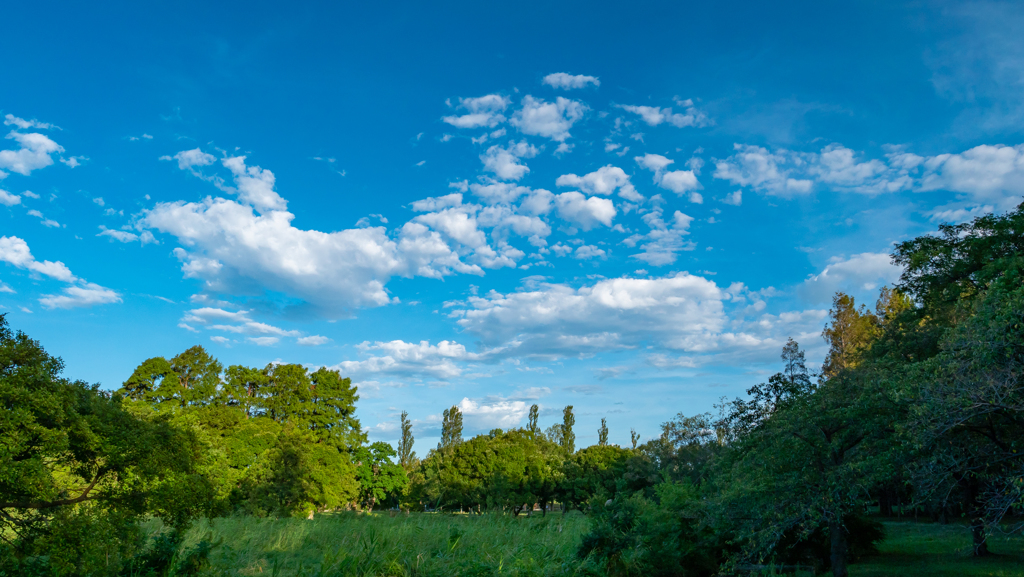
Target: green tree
{"type": "Point", "coordinates": [451, 428]}
{"type": "Point", "coordinates": [849, 335]}
{"type": "Point", "coordinates": [634, 437]}
{"type": "Point", "coordinates": [602, 433]}
{"type": "Point", "coordinates": [531, 422]}
{"type": "Point", "coordinates": [76, 467]}
{"type": "Point", "coordinates": [406, 456]}
{"type": "Point", "coordinates": [568, 440]}
{"type": "Point", "coordinates": [379, 478]}
{"type": "Point", "coordinates": [592, 472]}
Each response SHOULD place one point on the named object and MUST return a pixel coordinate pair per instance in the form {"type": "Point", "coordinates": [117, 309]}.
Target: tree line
{"type": "Point", "coordinates": [918, 403]}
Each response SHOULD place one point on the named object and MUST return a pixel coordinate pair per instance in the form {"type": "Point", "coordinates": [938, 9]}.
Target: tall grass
{"type": "Point", "coordinates": [349, 544]}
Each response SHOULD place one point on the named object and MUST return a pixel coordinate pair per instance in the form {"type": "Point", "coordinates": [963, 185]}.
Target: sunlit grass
{"type": "Point", "coordinates": [382, 545]}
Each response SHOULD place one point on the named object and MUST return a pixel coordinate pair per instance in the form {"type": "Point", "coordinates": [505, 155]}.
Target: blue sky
{"type": "Point", "coordinates": [627, 209]}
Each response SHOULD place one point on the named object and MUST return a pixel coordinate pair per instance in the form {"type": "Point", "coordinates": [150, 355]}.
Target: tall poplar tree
{"type": "Point", "coordinates": [451, 428]}
{"type": "Point", "coordinates": [531, 423]}
{"type": "Point", "coordinates": [602, 433]}
{"type": "Point", "coordinates": [406, 456]}
{"type": "Point", "coordinates": [568, 437]}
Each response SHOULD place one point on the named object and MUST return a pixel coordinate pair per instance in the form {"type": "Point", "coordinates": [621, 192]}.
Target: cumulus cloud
{"type": "Point", "coordinates": [548, 119]}
{"type": "Point", "coordinates": [504, 161]}
{"type": "Point", "coordinates": [864, 272]}
{"type": "Point", "coordinates": [603, 181]}
{"type": "Point", "coordinates": [34, 152]}
{"type": "Point", "coordinates": [567, 81]}
{"type": "Point", "coordinates": [482, 111]}
{"type": "Point", "coordinates": [400, 358]}
{"type": "Point", "coordinates": [678, 181]}
{"type": "Point", "coordinates": [653, 115]}
{"type": "Point", "coordinates": [9, 199]}
{"type": "Point", "coordinates": [493, 412]}
{"type": "Point", "coordinates": [584, 212]}
{"type": "Point", "coordinates": [682, 311]}
{"type": "Point", "coordinates": [80, 293]}
{"type": "Point", "coordinates": [988, 173]}
{"type": "Point", "coordinates": [234, 250]}
{"type": "Point", "coordinates": [189, 159]}
{"type": "Point", "coordinates": [663, 242]}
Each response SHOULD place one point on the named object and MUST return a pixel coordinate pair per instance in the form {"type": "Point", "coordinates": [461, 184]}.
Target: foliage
{"type": "Point", "coordinates": [378, 477]}
{"type": "Point", "coordinates": [657, 536]}
{"type": "Point", "coordinates": [567, 437]}
{"type": "Point", "coordinates": [406, 456]}
{"type": "Point", "coordinates": [77, 471]}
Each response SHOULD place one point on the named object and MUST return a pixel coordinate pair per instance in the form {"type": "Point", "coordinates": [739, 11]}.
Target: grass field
{"type": "Point", "coordinates": [932, 550]}
{"type": "Point", "coordinates": [450, 545]}
{"type": "Point", "coordinates": [381, 545]}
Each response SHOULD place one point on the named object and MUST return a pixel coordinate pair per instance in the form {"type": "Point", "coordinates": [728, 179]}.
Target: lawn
{"type": "Point", "coordinates": [934, 550]}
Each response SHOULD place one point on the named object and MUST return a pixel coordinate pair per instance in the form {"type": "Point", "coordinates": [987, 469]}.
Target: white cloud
{"type": "Point", "coordinates": [23, 124]}
{"type": "Point", "coordinates": [987, 173]}
{"type": "Point", "coordinates": [493, 412]}
{"type": "Point", "coordinates": [602, 181]}
{"type": "Point", "coordinates": [437, 202]}
{"type": "Point", "coordinates": [313, 340]}
{"type": "Point", "coordinates": [568, 81]}
{"type": "Point", "coordinates": [234, 322]}
{"type": "Point", "coordinates": [33, 153]}
{"type": "Point", "coordinates": [678, 181]}
{"type": "Point", "coordinates": [482, 111]}
{"type": "Point", "coordinates": [189, 159]}
{"type": "Point", "coordinates": [5, 289]}
{"type": "Point", "coordinates": [587, 252]}
{"type": "Point", "coordinates": [235, 251]}
{"type": "Point", "coordinates": [584, 212]}
{"type": "Point", "coordinates": [85, 295]}
{"type": "Point", "coordinates": [15, 251]}
{"type": "Point", "coordinates": [654, 115]}
{"type": "Point", "coordinates": [255, 185]}
{"type": "Point", "coordinates": [80, 293]}
{"type": "Point", "coordinates": [263, 341]}
{"type": "Point", "coordinates": [863, 273]}
{"type": "Point", "coordinates": [124, 236]}
{"type": "Point", "coordinates": [682, 311]}
{"type": "Point", "coordinates": [408, 359]}
{"type": "Point", "coordinates": [734, 198]}
{"type": "Point", "coordinates": [548, 119]}
{"type": "Point", "coordinates": [9, 199]}
{"type": "Point", "coordinates": [504, 161]}
{"type": "Point", "coordinates": [664, 241]}
{"type": "Point", "coordinates": [759, 169]}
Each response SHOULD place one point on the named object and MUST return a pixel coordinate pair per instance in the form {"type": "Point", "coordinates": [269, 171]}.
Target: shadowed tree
{"type": "Point", "coordinates": [634, 437]}
{"type": "Point", "coordinates": [602, 433]}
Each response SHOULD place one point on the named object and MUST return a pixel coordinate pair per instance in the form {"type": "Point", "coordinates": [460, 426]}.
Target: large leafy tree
{"type": "Point", "coordinates": [379, 478]}
{"type": "Point", "coordinates": [74, 462]}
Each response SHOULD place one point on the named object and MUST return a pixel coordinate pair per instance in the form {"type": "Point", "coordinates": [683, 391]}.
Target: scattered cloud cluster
{"type": "Point", "coordinates": [77, 293]}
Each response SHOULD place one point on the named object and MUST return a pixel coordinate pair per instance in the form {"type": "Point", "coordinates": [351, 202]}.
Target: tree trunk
{"type": "Point", "coordinates": [840, 548]}
{"type": "Point", "coordinates": [978, 537]}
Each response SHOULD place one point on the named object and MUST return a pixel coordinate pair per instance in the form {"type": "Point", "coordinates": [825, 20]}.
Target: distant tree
{"type": "Point", "coordinates": [850, 333]}
{"type": "Point", "coordinates": [531, 422]}
{"type": "Point", "coordinates": [406, 456]}
{"type": "Point", "coordinates": [379, 478]}
{"type": "Point", "coordinates": [568, 436]}
{"type": "Point", "coordinates": [451, 428]}
{"type": "Point", "coordinates": [244, 388]}
{"type": "Point", "coordinates": [634, 437]}
{"type": "Point", "coordinates": [591, 472]}
{"type": "Point", "coordinates": [554, 434]}
{"type": "Point", "coordinates": [602, 433]}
